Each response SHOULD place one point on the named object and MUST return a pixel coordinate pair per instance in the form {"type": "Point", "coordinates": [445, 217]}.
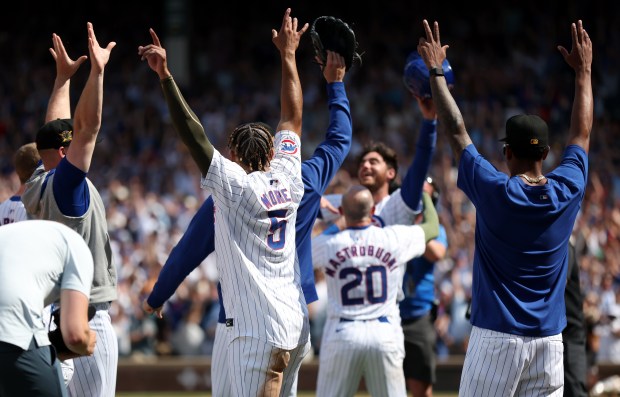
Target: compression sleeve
{"type": "Point", "coordinates": [188, 126]}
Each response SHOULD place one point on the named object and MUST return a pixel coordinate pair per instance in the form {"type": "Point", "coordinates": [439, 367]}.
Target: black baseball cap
{"type": "Point", "coordinates": [526, 131]}
{"type": "Point", "coordinates": [55, 134]}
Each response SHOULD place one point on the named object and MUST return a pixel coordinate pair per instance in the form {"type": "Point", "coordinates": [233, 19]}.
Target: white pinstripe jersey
{"type": "Point", "coordinates": [12, 210]}
{"type": "Point", "coordinates": [392, 210]}
{"type": "Point", "coordinates": [363, 268]}
{"type": "Point", "coordinates": [255, 244]}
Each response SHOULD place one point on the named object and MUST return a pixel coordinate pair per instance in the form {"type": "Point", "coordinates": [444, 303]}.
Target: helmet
{"type": "Point", "coordinates": [416, 77]}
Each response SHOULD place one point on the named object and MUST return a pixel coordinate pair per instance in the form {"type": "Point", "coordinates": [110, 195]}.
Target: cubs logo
{"type": "Point", "coordinates": [288, 146]}
{"type": "Point", "coordinates": [377, 221]}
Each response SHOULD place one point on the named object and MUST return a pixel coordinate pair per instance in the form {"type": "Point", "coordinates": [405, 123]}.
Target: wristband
{"type": "Point", "coordinates": [436, 71]}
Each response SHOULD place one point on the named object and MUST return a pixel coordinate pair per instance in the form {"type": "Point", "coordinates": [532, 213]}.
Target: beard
{"type": "Point", "coordinates": [373, 182]}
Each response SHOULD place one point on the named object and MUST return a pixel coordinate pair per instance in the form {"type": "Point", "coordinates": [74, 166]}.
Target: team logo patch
{"type": "Point", "coordinates": [288, 146]}
{"type": "Point", "coordinates": [377, 221]}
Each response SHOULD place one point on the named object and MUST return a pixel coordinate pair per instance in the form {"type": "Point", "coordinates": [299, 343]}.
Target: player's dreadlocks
{"type": "Point", "coordinates": [252, 144]}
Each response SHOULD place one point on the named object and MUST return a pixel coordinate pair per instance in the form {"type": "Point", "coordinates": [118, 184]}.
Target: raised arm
{"type": "Point", "coordinates": [448, 113]}
{"type": "Point", "coordinates": [287, 42]}
{"type": "Point", "coordinates": [580, 59]}
{"type": "Point", "coordinates": [193, 248]}
{"type": "Point", "coordinates": [59, 105]}
{"type": "Point", "coordinates": [413, 183]}
{"type": "Point", "coordinates": [87, 120]}
{"type": "Point", "coordinates": [184, 119]}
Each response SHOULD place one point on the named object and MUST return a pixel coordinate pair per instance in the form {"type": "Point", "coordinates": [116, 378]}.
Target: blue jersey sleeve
{"type": "Point", "coordinates": [317, 172]}
{"type": "Point", "coordinates": [70, 189]}
{"type": "Point", "coordinates": [413, 183]}
{"type": "Point", "coordinates": [195, 245]}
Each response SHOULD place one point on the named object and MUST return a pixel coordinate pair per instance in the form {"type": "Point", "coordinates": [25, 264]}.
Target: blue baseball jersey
{"type": "Point", "coordinates": [198, 240]}
{"type": "Point", "coordinates": [419, 284]}
{"type": "Point", "coordinates": [521, 236]}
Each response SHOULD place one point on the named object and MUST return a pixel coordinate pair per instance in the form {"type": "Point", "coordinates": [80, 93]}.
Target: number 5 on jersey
{"type": "Point", "coordinates": [275, 238]}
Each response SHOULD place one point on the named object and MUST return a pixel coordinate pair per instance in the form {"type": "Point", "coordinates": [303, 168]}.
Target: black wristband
{"type": "Point", "coordinates": [436, 72]}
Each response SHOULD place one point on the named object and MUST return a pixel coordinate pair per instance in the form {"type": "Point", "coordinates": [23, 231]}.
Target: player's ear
{"type": "Point", "coordinates": [391, 173]}
{"type": "Point", "coordinates": [372, 211]}
{"type": "Point", "coordinates": [272, 153]}
{"type": "Point", "coordinates": [340, 211]}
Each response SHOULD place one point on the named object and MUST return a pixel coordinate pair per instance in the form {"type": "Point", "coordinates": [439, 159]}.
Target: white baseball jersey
{"type": "Point", "coordinates": [361, 266]}
{"type": "Point", "coordinates": [362, 337]}
{"type": "Point", "coordinates": [12, 210]}
{"type": "Point", "coordinates": [392, 210]}
{"type": "Point", "coordinates": [255, 240]}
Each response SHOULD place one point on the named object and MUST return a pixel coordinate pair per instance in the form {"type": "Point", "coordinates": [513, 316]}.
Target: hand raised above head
{"type": "Point", "coordinates": [430, 48]}
{"type": "Point", "coordinates": [335, 67]}
{"type": "Point", "coordinates": [155, 55]}
{"type": "Point", "coordinates": [65, 66]}
{"type": "Point", "coordinates": [287, 39]}
{"type": "Point", "coordinates": [580, 55]}
{"type": "Point", "coordinates": [99, 56]}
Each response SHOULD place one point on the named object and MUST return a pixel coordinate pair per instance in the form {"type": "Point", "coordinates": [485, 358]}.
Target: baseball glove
{"type": "Point", "coordinates": [55, 336]}
{"type": "Point", "coordinates": [330, 33]}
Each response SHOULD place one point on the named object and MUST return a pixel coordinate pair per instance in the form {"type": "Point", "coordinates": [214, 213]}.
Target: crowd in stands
{"type": "Point", "coordinates": [505, 62]}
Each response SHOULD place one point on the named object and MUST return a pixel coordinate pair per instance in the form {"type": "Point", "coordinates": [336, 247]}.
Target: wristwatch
{"type": "Point", "coordinates": [436, 72]}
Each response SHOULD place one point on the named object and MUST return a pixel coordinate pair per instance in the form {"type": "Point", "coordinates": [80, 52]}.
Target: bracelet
{"type": "Point", "coordinates": [436, 71]}
{"type": "Point", "coordinates": [165, 79]}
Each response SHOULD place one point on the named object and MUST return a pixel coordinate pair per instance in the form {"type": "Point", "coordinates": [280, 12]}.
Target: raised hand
{"type": "Point", "coordinates": [155, 55]}
{"type": "Point", "coordinates": [287, 39]}
{"type": "Point", "coordinates": [335, 67]}
{"type": "Point", "coordinates": [65, 66]}
{"type": "Point", "coordinates": [430, 48]}
{"type": "Point", "coordinates": [99, 56]}
{"type": "Point", "coordinates": [580, 55]}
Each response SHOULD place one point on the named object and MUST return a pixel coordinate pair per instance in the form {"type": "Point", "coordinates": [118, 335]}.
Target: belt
{"type": "Point", "coordinates": [382, 319]}
{"type": "Point", "coordinates": [101, 305]}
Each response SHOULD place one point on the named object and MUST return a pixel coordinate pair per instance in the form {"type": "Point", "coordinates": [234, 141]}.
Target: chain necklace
{"type": "Point", "coordinates": [532, 180]}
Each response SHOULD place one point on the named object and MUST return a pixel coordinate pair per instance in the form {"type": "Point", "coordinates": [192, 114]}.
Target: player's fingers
{"type": "Point", "coordinates": [573, 30]}
{"type": "Point", "coordinates": [274, 34]}
{"type": "Point", "coordinates": [154, 37]}
{"type": "Point", "coordinates": [436, 31]}
{"type": "Point", "coordinates": [304, 28]}
{"type": "Point", "coordinates": [563, 51]}
{"type": "Point", "coordinates": [427, 30]}
{"type": "Point", "coordinates": [295, 22]}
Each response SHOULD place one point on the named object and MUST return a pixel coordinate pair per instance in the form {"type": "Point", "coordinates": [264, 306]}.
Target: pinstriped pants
{"type": "Point", "coordinates": [499, 364]}
{"type": "Point", "coordinates": [95, 376]}
{"type": "Point", "coordinates": [260, 369]}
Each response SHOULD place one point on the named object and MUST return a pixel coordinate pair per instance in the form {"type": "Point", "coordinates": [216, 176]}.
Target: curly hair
{"type": "Point", "coordinates": [252, 144]}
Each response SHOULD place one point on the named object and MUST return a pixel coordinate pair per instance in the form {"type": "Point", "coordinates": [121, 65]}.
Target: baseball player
{"type": "Point", "coordinates": [524, 221]}
{"type": "Point", "coordinates": [378, 168]}
{"type": "Point", "coordinates": [198, 240]}
{"type": "Point", "coordinates": [59, 269]}
{"type": "Point", "coordinates": [59, 190]}
{"type": "Point", "coordinates": [256, 197]}
{"type": "Point", "coordinates": [25, 162]}
{"type": "Point", "coordinates": [361, 266]}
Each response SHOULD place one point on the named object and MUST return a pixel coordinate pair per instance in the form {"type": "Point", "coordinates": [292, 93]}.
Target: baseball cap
{"type": "Point", "coordinates": [55, 134]}
{"type": "Point", "coordinates": [525, 131]}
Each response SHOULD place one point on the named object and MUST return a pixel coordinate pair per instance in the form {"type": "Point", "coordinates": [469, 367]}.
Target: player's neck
{"type": "Point", "coordinates": [358, 224]}
{"type": "Point", "coordinates": [381, 193]}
